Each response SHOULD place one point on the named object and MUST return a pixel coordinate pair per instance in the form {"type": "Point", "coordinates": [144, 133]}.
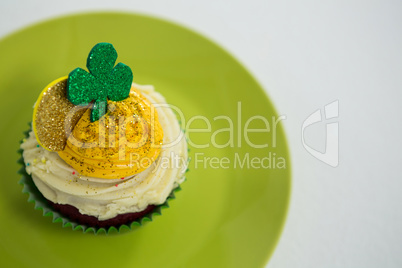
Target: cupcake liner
{"type": "Point", "coordinates": [41, 203]}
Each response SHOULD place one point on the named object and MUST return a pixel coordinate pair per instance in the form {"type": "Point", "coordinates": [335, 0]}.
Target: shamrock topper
{"type": "Point", "coordinates": [101, 83]}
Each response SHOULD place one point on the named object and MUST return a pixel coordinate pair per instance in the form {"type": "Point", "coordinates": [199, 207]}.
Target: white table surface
{"type": "Point", "coordinates": [307, 54]}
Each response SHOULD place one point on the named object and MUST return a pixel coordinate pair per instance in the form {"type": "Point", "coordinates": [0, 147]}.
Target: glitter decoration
{"type": "Point", "coordinates": [55, 116]}
{"type": "Point", "coordinates": [104, 81]}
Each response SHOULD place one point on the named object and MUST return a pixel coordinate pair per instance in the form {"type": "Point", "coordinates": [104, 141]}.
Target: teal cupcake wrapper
{"type": "Point", "coordinates": [41, 203]}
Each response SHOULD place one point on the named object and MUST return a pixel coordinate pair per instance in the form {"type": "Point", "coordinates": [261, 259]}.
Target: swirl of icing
{"type": "Point", "coordinates": [124, 142]}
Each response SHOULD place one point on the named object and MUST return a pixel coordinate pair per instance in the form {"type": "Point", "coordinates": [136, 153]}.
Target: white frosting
{"type": "Point", "coordinates": [106, 198]}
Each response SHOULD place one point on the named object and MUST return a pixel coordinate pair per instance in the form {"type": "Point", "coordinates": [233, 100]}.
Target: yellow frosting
{"type": "Point", "coordinates": [124, 142]}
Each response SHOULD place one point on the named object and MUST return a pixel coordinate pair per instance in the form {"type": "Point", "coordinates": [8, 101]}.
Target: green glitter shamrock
{"type": "Point", "coordinates": [104, 80]}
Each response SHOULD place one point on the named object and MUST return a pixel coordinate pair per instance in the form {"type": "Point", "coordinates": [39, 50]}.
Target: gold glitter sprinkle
{"type": "Point", "coordinates": [55, 117]}
{"type": "Point", "coordinates": [43, 160]}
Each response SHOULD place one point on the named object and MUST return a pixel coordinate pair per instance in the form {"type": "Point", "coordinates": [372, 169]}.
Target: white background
{"type": "Point", "coordinates": [307, 54]}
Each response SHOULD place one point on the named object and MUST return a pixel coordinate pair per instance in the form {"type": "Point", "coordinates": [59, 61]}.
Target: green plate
{"type": "Point", "coordinates": [233, 205]}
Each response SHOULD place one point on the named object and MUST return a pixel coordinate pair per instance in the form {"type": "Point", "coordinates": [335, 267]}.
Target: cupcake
{"type": "Point", "coordinates": [102, 152]}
